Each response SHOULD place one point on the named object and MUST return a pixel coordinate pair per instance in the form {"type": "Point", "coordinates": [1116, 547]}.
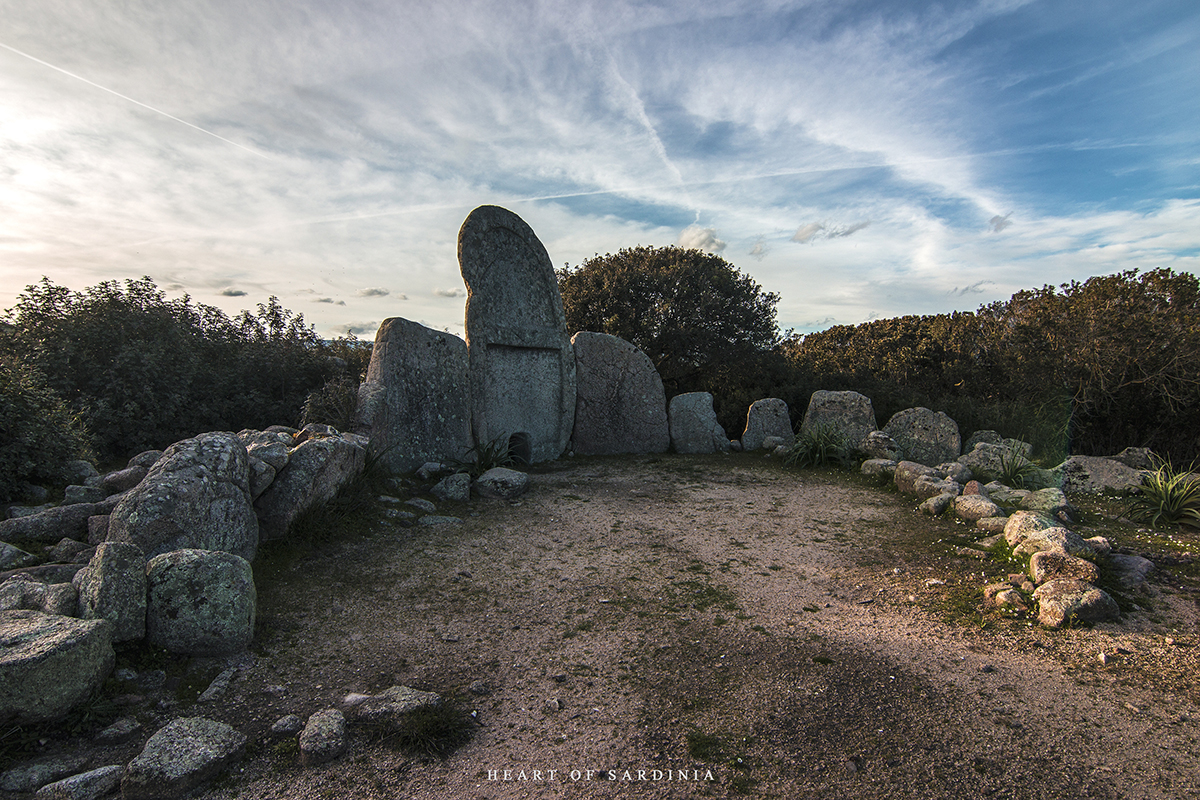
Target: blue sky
{"type": "Point", "coordinates": [861, 159]}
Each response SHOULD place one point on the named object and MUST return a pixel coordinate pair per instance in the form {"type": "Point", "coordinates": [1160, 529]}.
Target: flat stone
{"type": "Point", "coordinates": [1047, 566]}
{"type": "Point", "coordinates": [288, 725]}
{"type": "Point", "coordinates": [120, 731]}
{"type": "Point", "coordinates": [973, 507]}
{"type": "Point", "coordinates": [181, 757]}
{"type": "Point", "coordinates": [421, 504]}
{"type": "Point", "coordinates": [522, 366]}
{"type": "Point", "coordinates": [1023, 523]}
{"type": "Point", "coordinates": [453, 488]}
{"type": "Point", "coordinates": [391, 707]}
{"type": "Point", "coordinates": [49, 526]}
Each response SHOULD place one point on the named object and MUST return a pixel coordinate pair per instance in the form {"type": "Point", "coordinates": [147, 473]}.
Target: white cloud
{"type": "Point", "coordinates": [231, 292]}
{"type": "Point", "coordinates": [999, 223]}
{"type": "Point", "coordinates": [330, 301]}
{"type": "Point", "coordinates": [374, 292]}
{"type": "Point", "coordinates": [456, 292]}
{"type": "Point", "coordinates": [805, 233]}
{"type": "Point", "coordinates": [696, 237]}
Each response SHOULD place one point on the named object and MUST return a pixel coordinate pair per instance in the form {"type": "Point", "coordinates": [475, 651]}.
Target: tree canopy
{"type": "Point", "coordinates": [691, 312]}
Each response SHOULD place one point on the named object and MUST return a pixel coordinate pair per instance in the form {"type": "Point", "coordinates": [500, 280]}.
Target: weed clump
{"type": "Point", "coordinates": [1168, 495]}
{"type": "Point", "coordinates": [819, 446]}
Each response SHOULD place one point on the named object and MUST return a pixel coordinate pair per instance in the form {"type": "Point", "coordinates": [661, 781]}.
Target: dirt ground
{"type": "Point", "coordinates": [662, 627]}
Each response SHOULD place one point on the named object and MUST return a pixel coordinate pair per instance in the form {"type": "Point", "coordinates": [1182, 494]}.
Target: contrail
{"type": "Point", "coordinates": [130, 99]}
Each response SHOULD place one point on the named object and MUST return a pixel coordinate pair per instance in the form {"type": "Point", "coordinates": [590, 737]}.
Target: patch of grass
{"type": "Point", "coordinates": [1016, 470]}
{"type": "Point", "coordinates": [819, 446]}
{"type": "Point", "coordinates": [703, 596]}
{"type": "Point", "coordinates": [825, 660]}
{"type": "Point", "coordinates": [487, 455]}
{"type": "Point", "coordinates": [434, 730]}
{"type": "Point", "coordinates": [705, 747]}
{"type": "Point", "coordinates": [582, 627]}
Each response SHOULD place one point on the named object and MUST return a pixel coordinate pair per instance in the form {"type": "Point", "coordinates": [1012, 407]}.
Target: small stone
{"type": "Point", "coordinates": [480, 688]}
{"type": "Point", "coordinates": [553, 704]}
{"type": "Point", "coordinates": [185, 754]}
{"type": "Point", "coordinates": [434, 519]}
{"type": "Point", "coordinates": [1103, 658]}
{"type": "Point", "coordinates": [422, 504]}
{"type": "Point", "coordinates": [220, 685]}
{"type": "Point", "coordinates": [120, 731]}
{"type": "Point", "coordinates": [32, 775]}
{"type": "Point", "coordinates": [323, 738]}
{"type": "Point", "coordinates": [288, 725]}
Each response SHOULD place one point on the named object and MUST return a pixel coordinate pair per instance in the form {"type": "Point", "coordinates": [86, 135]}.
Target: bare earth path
{"type": "Point", "coordinates": [710, 627]}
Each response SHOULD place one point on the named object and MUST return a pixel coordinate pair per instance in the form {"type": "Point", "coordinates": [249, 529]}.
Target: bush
{"type": "Point", "coordinates": [335, 403]}
{"type": "Point", "coordinates": [38, 433]}
{"type": "Point", "coordinates": [142, 371]}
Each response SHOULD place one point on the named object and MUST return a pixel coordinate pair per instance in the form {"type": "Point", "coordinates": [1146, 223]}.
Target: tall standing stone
{"type": "Point", "coordinates": [925, 436]}
{"type": "Point", "coordinates": [620, 404]}
{"type": "Point", "coordinates": [694, 426]}
{"type": "Point", "coordinates": [768, 417]}
{"type": "Point", "coordinates": [522, 368]}
{"type": "Point", "coordinates": [415, 405]}
{"type": "Point", "coordinates": [849, 413]}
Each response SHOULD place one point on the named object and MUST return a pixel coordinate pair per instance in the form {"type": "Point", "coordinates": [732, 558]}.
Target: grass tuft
{"type": "Point", "coordinates": [1168, 495]}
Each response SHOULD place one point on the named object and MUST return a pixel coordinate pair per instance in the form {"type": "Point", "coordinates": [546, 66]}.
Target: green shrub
{"type": "Point", "coordinates": [38, 433]}
{"type": "Point", "coordinates": [1168, 495]}
{"type": "Point", "coordinates": [1016, 470]}
{"type": "Point", "coordinates": [335, 403]}
{"type": "Point", "coordinates": [817, 447]}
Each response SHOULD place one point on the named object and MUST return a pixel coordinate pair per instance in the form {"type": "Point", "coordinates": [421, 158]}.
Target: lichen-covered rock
{"type": "Point", "coordinates": [323, 738]}
{"type": "Point", "coordinates": [767, 419]}
{"type": "Point", "coordinates": [849, 413]}
{"type": "Point", "coordinates": [1049, 566]}
{"type": "Point", "coordinates": [200, 602]}
{"type": "Point", "coordinates": [620, 404]}
{"type": "Point", "coordinates": [84, 786]}
{"type": "Point", "coordinates": [1003, 595]}
{"type": "Point", "coordinates": [1136, 457]}
{"type": "Point", "coordinates": [925, 436]}
{"type": "Point", "coordinates": [1049, 501]}
{"type": "Point", "coordinates": [1022, 523]}
{"type": "Point", "coordinates": [935, 506]}
{"type": "Point", "coordinates": [113, 587]}
{"type": "Point", "coordinates": [180, 757]}
{"type": "Point", "coordinates": [1054, 540]}
{"type": "Point", "coordinates": [316, 470]}
{"type": "Point", "coordinates": [1129, 571]}
{"type": "Point", "coordinates": [14, 557]}
{"type": "Point", "coordinates": [1096, 475]}
{"type": "Point", "coordinates": [50, 663]}
{"type": "Point", "coordinates": [926, 486]}
{"type": "Point", "coordinates": [973, 507]}
{"type": "Point", "coordinates": [502, 483]}
{"type": "Point", "coordinates": [879, 467]}
{"type": "Point", "coordinates": [124, 479]}
{"type": "Point", "coordinates": [954, 471]}
{"type": "Point", "coordinates": [694, 426]}
{"type": "Point", "coordinates": [907, 473]}
{"type": "Point", "coordinates": [990, 437]}
{"type": "Point", "coordinates": [453, 488]}
{"type": "Point", "coordinates": [879, 445]}
{"type": "Point", "coordinates": [391, 708]}
{"type": "Point", "coordinates": [1060, 601]}
{"type": "Point", "coordinates": [29, 776]}
{"type": "Point", "coordinates": [196, 496]}
{"type": "Point", "coordinates": [48, 526]}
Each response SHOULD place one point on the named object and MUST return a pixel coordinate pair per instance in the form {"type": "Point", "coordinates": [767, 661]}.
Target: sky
{"type": "Point", "coordinates": [862, 160]}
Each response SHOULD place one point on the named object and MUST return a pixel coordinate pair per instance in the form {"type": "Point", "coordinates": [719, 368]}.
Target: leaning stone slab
{"type": "Point", "coordinates": [316, 470]}
{"type": "Point", "coordinates": [200, 602]}
{"type": "Point", "coordinates": [620, 404]}
{"type": "Point", "coordinates": [196, 496]}
{"type": "Point", "coordinates": [415, 404]}
{"type": "Point", "coordinates": [182, 756]}
{"type": "Point", "coordinates": [693, 424]}
{"type": "Point", "coordinates": [925, 436]}
{"type": "Point", "coordinates": [502, 483]}
{"type": "Point", "coordinates": [30, 776]}
{"type": "Point", "coordinates": [85, 786]}
{"type": "Point", "coordinates": [113, 587]}
{"type": "Point", "coordinates": [323, 738]}
{"type": "Point", "coordinates": [47, 527]}
{"type": "Point", "coordinates": [1061, 601]}
{"type": "Point", "coordinates": [522, 367]}
{"type": "Point", "coordinates": [50, 663]}
{"type": "Point", "coordinates": [849, 413]}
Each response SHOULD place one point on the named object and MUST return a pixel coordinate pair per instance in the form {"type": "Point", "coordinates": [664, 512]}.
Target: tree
{"type": "Point", "coordinates": [693, 313]}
